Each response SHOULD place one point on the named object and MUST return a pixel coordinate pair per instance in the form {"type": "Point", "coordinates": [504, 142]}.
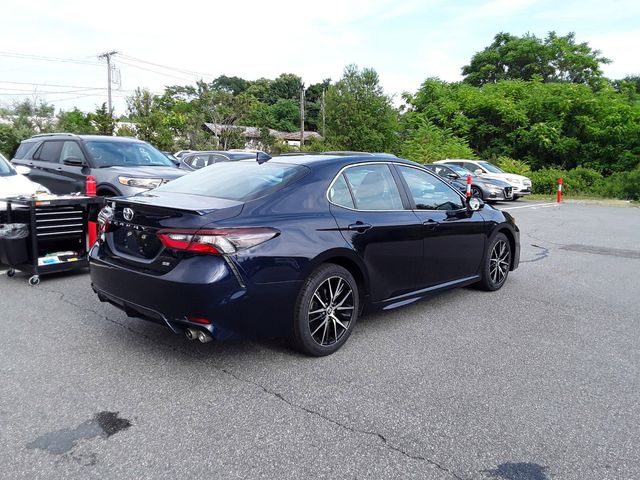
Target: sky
{"type": "Point", "coordinates": [48, 49]}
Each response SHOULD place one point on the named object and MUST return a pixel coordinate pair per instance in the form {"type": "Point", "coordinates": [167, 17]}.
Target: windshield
{"type": "Point", "coordinates": [241, 181]}
{"type": "Point", "coordinates": [463, 172]}
{"type": "Point", "coordinates": [126, 154]}
{"type": "Point", "coordinates": [491, 167]}
{"type": "Point", "coordinates": [5, 167]}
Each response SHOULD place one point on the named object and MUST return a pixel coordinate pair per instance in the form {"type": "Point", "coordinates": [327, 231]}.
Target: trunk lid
{"type": "Point", "coordinates": [132, 237]}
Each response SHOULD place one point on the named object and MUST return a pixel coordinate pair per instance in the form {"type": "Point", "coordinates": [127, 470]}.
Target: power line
{"type": "Point", "coordinates": [181, 70]}
{"type": "Point", "coordinates": [184, 79]}
{"type": "Point", "coordinates": [46, 59]}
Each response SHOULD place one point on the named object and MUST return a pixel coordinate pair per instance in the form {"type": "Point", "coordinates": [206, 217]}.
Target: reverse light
{"type": "Point", "coordinates": [140, 182]}
{"type": "Point", "coordinates": [216, 241]}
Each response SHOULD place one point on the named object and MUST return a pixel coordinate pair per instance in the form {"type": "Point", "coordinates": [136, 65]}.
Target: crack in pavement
{"type": "Point", "coordinates": [198, 356]}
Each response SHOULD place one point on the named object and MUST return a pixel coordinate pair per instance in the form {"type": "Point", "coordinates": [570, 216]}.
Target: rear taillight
{"type": "Point", "coordinates": [216, 241]}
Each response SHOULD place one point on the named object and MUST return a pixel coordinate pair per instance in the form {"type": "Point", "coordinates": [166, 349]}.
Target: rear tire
{"type": "Point", "coordinates": [326, 311]}
{"type": "Point", "coordinates": [497, 263]}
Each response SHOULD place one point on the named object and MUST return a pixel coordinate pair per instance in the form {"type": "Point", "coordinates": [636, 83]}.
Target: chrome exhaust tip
{"type": "Point", "coordinates": [191, 333]}
{"type": "Point", "coordinates": [204, 337]}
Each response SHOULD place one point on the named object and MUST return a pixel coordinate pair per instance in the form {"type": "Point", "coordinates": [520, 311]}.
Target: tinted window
{"type": "Point", "coordinates": [471, 166]}
{"type": "Point", "coordinates": [339, 193]}
{"type": "Point", "coordinates": [241, 181]}
{"type": "Point", "coordinates": [429, 192]}
{"type": "Point", "coordinates": [48, 152]}
{"type": "Point", "coordinates": [71, 150]}
{"type": "Point", "coordinates": [24, 149]}
{"type": "Point", "coordinates": [126, 154]}
{"type": "Point", "coordinates": [199, 161]}
{"type": "Point", "coordinates": [374, 188]}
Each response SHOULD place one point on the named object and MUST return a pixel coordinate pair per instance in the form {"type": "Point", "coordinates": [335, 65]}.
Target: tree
{"type": "Point", "coordinates": [428, 143]}
{"type": "Point", "coordinates": [75, 121]}
{"type": "Point", "coordinates": [359, 115]}
{"type": "Point", "coordinates": [553, 59]}
{"type": "Point", "coordinates": [103, 120]}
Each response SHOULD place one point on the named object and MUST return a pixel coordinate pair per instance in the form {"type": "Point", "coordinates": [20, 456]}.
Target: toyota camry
{"type": "Point", "coordinates": [295, 247]}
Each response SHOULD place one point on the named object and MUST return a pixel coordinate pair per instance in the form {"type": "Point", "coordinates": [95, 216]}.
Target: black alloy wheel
{"type": "Point", "coordinates": [497, 263]}
{"type": "Point", "coordinates": [326, 311]}
{"type": "Point", "coordinates": [476, 192]}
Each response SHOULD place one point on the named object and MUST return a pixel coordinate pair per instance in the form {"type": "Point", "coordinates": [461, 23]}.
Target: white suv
{"type": "Point", "coordinates": [521, 185]}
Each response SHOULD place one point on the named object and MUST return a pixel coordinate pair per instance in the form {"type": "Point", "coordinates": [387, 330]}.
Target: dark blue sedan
{"type": "Point", "coordinates": [295, 246]}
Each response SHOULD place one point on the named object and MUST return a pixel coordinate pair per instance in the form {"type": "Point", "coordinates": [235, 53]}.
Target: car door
{"type": "Point", "coordinates": [374, 218]}
{"type": "Point", "coordinates": [73, 167]}
{"type": "Point", "coordinates": [453, 236]}
{"type": "Point", "coordinates": [45, 166]}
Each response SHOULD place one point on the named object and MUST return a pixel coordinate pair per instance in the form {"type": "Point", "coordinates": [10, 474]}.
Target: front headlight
{"type": "Point", "coordinates": [513, 180]}
{"type": "Point", "coordinates": [140, 182]}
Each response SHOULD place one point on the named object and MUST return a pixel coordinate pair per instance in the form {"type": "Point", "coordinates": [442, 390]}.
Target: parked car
{"type": "Point", "coordinates": [197, 160]}
{"type": "Point", "coordinates": [121, 165]}
{"type": "Point", "coordinates": [484, 188]}
{"type": "Point", "coordinates": [14, 183]}
{"type": "Point", "coordinates": [521, 184]}
{"type": "Point", "coordinates": [171, 157]}
{"type": "Point", "coordinates": [296, 246]}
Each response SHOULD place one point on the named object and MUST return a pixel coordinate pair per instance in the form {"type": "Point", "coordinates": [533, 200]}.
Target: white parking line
{"type": "Point", "coordinates": [534, 206]}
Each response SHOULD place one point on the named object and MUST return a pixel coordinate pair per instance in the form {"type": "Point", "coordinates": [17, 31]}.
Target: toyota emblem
{"type": "Point", "coordinates": [128, 214]}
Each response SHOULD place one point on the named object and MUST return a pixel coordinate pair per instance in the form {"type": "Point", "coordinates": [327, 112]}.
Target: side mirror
{"type": "Point", "coordinates": [453, 176]}
{"type": "Point", "coordinates": [22, 170]}
{"type": "Point", "coordinates": [74, 162]}
{"type": "Point", "coordinates": [474, 204]}
{"type": "Point", "coordinates": [477, 171]}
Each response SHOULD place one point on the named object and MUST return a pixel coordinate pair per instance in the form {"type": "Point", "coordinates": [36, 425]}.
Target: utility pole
{"type": "Point", "coordinates": [322, 109]}
{"type": "Point", "coordinates": [107, 56]}
{"type": "Point", "coordinates": [301, 115]}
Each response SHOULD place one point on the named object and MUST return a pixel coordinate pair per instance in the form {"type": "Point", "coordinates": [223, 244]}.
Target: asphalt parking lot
{"type": "Point", "coordinates": [539, 380]}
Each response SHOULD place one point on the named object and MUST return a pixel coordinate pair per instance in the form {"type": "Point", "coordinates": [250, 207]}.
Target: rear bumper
{"type": "Point", "coordinates": [203, 287]}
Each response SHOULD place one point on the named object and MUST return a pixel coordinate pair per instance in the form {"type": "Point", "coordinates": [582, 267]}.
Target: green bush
{"type": "Point", "coordinates": [624, 185]}
{"type": "Point", "coordinates": [578, 181]}
{"type": "Point", "coordinates": [511, 165]}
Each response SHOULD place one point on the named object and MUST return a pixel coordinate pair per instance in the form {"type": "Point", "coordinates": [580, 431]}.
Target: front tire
{"type": "Point", "coordinates": [326, 311]}
{"type": "Point", "coordinates": [497, 263]}
{"type": "Point", "coordinates": [515, 197]}
{"type": "Point", "coordinates": [476, 192]}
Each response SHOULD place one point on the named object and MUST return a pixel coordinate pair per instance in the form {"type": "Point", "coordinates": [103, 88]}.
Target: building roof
{"type": "Point", "coordinates": [254, 132]}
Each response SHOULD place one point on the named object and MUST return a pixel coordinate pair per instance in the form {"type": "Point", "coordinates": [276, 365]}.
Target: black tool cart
{"type": "Point", "coordinates": [46, 234]}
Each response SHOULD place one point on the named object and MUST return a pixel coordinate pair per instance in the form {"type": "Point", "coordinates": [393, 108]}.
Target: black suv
{"type": "Point", "coordinates": [121, 165]}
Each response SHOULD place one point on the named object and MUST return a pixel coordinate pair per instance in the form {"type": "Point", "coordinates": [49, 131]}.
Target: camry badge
{"type": "Point", "coordinates": [128, 214]}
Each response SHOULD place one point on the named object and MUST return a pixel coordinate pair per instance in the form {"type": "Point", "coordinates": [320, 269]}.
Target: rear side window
{"type": "Point", "coordinates": [339, 193]}
{"type": "Point", "coordinates": [24, 149]}
{"type": "Point", "coordinates": [241, 181]}
{"type": "Point", "coordinates": [48, 152]}
{"type": "Point", "coordinates": [374, 187]}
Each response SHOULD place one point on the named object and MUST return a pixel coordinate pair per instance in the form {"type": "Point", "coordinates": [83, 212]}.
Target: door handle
{"type": "Point", "coordinates": [359, 227]}
{"type": "Point", "coordinates": [430, 224]}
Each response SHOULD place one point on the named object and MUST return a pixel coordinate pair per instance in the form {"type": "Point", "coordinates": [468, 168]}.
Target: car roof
{"type": "Point", "coordinates": [316, 160]}
{"type": "Point", "coordinates": [67, 136]}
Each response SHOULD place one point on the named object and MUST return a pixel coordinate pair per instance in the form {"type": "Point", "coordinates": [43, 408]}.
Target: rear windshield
{"type": "Point", "coordinates": [126, 154]}
{"type": "Point", "coordinates": [240, 181]}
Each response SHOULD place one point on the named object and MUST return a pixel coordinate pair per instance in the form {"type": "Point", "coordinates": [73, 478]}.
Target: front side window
{"type": "Point", "coordinates": [429, 192]}
{"type": "Point", "coordinates": [5, 167]}
{"type": "Point", "coordinates": [71, 150]}
{"type": "Point", "coordinates": [374, 187]}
